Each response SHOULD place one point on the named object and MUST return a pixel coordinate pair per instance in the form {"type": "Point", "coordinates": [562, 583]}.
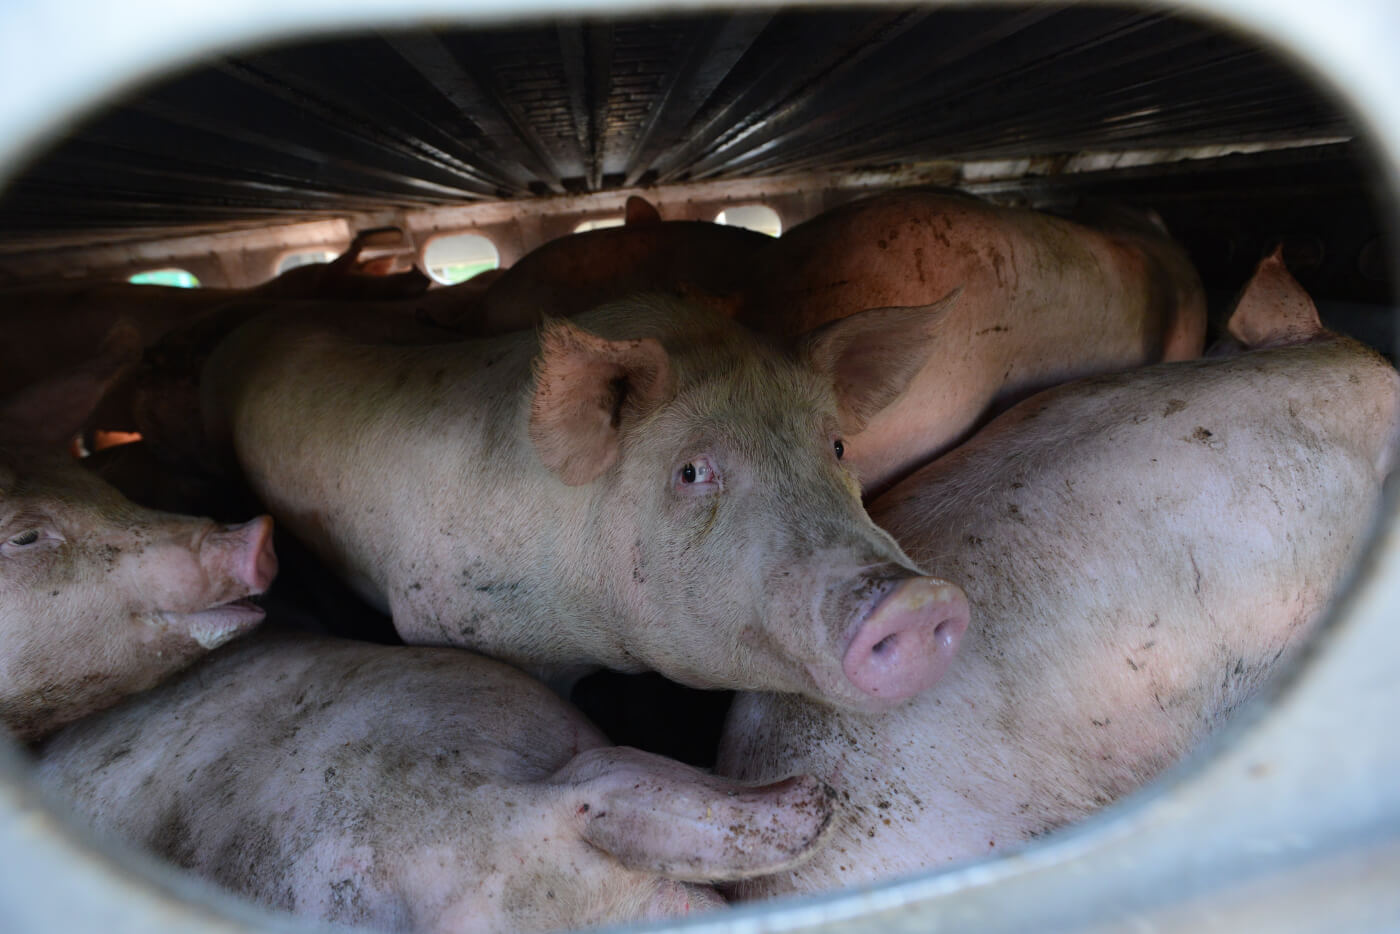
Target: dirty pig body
{"type": "Point", "coordinates": [580, 271]}
{"type": "Point", "coordinates": [415, 789]}
{"type": "Point", "coordinates": [100, 598]}
{"type": "Point", "coordinates": [1044, 301]}
{"type": "Point", "coordinates": [1141, 549]}
{"type": "Point", "coordinates": [646, 487]}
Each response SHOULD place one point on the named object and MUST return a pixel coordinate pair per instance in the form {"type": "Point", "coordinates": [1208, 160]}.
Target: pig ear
{"type": "Point", "coordinates": [641, 211]}
{"type": "Point", "coordinates": [871, 356]}
{"type": "Point", "coordinates": [584, 385]}
{"type": "Point", "coordinates": [1274, 309]}
{"type": "Point", "coordinates": [657, 815]}
{"type": "Point", "coordinates": [53, 410]}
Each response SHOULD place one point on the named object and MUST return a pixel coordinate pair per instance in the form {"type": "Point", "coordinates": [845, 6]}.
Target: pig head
{"type": "Point", "coordinates": [731, 523]}
{"type": "Point", "coordinates": [100, 598]}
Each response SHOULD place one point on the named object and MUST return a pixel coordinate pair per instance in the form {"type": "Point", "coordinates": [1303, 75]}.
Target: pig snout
{"type": "Point", "coordinates": [236, 561]}
{"type": "Point", "coordinates": [243, 553]}
{"type": "Point", "coordinates": [907, 637]}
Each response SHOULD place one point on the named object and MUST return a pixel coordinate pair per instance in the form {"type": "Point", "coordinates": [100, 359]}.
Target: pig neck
{"type": "Point", "coordinates": [497, 540]}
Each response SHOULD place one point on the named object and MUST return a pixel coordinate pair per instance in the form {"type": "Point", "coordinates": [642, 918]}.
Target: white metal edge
{"type": "Point", "coordinates": [1299, 792]}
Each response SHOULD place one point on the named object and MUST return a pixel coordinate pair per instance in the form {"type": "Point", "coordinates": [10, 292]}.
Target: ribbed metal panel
{"type": "Point", "coordinates": [443, 116]}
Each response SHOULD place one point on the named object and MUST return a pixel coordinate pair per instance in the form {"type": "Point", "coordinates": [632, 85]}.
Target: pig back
{"type": "Point", "coordinates": [1139, 551]}
{"type": "Point", "coordinates": [1251, 480]}
{"type": "Point", "coordinates": [291, 770]}
{"type": "Point", "coordinates": [575, 273]}
{"type": "Point", "coordinates": [1044, 300]}
{"type": "Point", "coordinates": [910, 248]}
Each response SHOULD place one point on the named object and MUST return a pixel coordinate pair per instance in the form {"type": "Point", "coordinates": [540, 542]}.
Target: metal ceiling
{"type": "Point", "coordinates": [412, 119]}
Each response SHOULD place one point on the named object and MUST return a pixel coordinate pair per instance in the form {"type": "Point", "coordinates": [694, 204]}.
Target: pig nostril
{"type": "Point", "coordinates": [883, 645]}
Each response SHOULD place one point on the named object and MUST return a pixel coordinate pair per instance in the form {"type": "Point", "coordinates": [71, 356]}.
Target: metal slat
{"type": "Point", "coordinates": [476, 96]}
{"type": "Point", "coordinates": [718, 45]}
{"type": "Point", "coordinates": [389, 121]}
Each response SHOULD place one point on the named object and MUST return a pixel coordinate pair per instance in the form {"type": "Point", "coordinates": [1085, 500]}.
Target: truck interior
{"type": "Point", "coordinates": [469, 141]}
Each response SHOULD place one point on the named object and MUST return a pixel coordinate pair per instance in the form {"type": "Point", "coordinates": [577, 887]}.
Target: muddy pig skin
{"type": "Point", "coordinates": [100, 598]}
{"type": "Point", "coordinates": [1044, 301]}
{"type": "Point", "coordinates": [646, 486]}
{"type": "Point", "coordinates": [1140, 551]}
{"type": "Point", "coordinates": [412, 789]}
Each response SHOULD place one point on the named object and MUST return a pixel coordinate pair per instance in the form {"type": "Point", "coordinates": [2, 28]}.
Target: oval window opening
{"type": "Point", "coordinates": [177, 278]}
{"type": "Point", "coordinates": [306, 258]}
{"type": "Point", "coordinates": [600, 223]}
{"type": "Point", "coordinates": [757, 217]}
{"type": "Point", "coordinates": [458, 257]}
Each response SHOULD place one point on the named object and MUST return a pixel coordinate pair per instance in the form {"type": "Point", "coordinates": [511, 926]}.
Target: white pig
{"type": "Point", "coordinates": [100, 598]}
{"type": "Point", "coordinates": [646, 486]}
{"type": "Point", "coordinates": [1044, 300]}
{"type": "Point", "coordinates": [574, 273]}
{"type": "Point", "coordinates": [1141, 550]}
{"type": "Point", "coordinates": [413, 789]}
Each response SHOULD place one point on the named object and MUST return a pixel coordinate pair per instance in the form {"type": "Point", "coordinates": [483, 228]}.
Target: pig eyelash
{"type": "Point", "coordinates": [699, 474]}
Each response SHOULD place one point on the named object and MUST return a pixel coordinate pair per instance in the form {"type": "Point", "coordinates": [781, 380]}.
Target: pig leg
{"type": "Point", "coordinates": [662, 816]}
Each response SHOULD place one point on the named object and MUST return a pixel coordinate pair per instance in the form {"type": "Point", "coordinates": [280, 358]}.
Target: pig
{"type": "Point", "coordinates": [100, 598]}
{"type": "Point", "coordinates": [62, 325]}
{"type": "Point", "coordinates": [161, 398]}
{"type": "Point", "coordinates": [569, 275]}
{"type": "Point", "coordinates": [1044, 301]}
{"type": "Point", "coordinates": [1142, 550]}
{"type": "Point", "coordinates": [644, 487]}
{"type": "Point", "coordinates": [415, 789]}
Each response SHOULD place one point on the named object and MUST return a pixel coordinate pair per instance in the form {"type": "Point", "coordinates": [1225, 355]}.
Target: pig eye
{"type": "Point", "coordinates": [21, 541]}
{"type": "Point", "coordinates": [840, 448]}
{"type": "Point", "coordinates": [697, 473]}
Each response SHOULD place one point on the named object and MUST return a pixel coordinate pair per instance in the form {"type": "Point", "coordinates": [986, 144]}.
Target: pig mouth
{"type": "Point", "coordinates": [216, 625]}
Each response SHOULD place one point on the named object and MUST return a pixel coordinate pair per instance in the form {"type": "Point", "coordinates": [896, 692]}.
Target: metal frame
{"type": "Point", "coordinates": [1289, 822]}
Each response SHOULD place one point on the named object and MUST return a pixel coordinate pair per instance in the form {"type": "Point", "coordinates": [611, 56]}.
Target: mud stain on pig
{"type": "Point", "coordinates": [172, 840]}
{"type": "Point", "coordinates": [112, 755]}
{"type": "Point", "coordinates": [253, 860]}
{"type": "Point", "coordinates": [1173, 406]}
{"type": "Point", "coordinates": [108, 554]}
{"type": "Point", "coordinates": [999, 267]}
{"type": "Point", "coordinates": [347, 902]}
{"type": "Point", "coordinates": [1203, 435]}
